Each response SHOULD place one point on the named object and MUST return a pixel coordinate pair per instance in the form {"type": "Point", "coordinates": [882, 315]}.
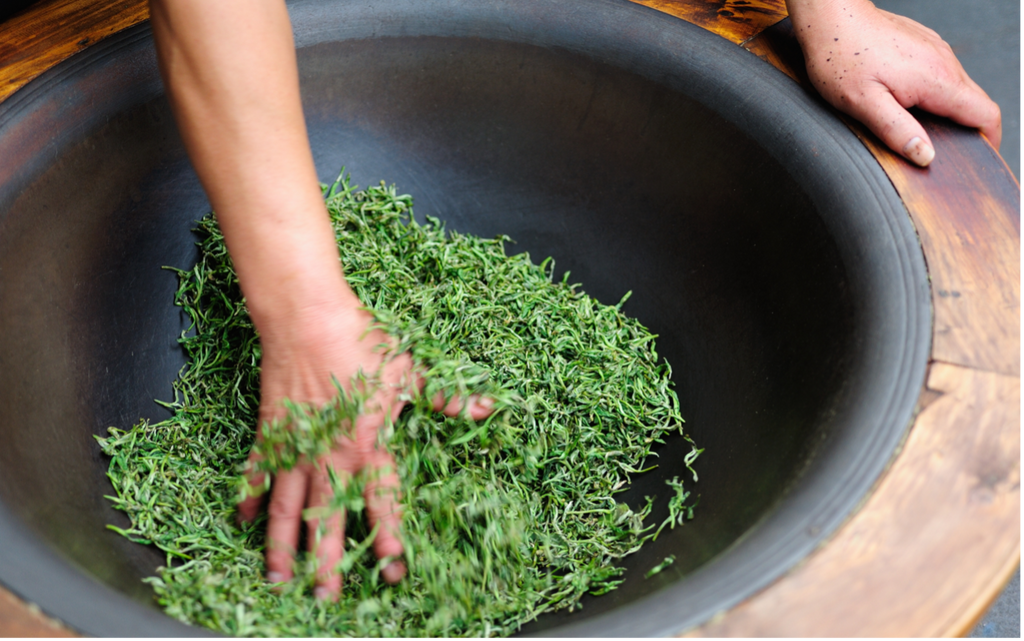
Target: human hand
{"type": "Point", "coordinates": [300, 357]}
{"type": "Point", "coordinates": [874, 65]}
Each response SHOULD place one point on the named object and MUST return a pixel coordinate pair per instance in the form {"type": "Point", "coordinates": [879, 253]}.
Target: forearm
{"type": "Point", "coordinates": [816, 9]}
{"type": "Point", "coordinates": [231, 75]}
{"type": "Point", "coordinates": [822, 23]}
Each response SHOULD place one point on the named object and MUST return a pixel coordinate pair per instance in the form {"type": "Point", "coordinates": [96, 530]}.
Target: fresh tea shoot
{"type": "Point", "coordinates": [504, 519]}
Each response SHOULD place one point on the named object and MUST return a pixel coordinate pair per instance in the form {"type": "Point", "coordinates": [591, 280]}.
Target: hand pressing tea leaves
{"type": "Point", "coordinates": [504, 519]}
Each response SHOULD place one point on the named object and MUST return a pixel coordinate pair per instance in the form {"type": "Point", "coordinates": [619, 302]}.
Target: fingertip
{"type": "Point", "coordinates": [888, 119]}
{"type": "Point", "coordinates": [387, 544]}
{"type": "Point", "coordinates": [248, 509]}
{"type": "Point", "coordinates": [393, 572]}
{"type": "Point", "coordinates": [919, 151]}
{"type": "Point", "coordinates": [993, 129]}
{"type": "Point", "coordinates": [480, 407]}
{"type": "Point", "coordinates": [994, 135]}
{"type": "Point", "coordinates": [279, 566]}
{"type": "Point", "coordinates": [328, 588]}
{"type": "Point", "coordinates": [477, 406]}
{"type": "Point", "coordinates": [276, 577]}
{"type": "Point", "coordinates": [277, 580]}
{"type": "Point", "coordinates": [447, 407]}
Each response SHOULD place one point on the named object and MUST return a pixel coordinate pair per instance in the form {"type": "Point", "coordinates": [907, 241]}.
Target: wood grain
{"type": "Point", "coordinates": [18, 619]}
{"type": "Point", "coordinates": [52, 30]}
{"type": "Point", "coordinates": [903, 567]}
{"type": "Point", "coordinates": [734, 20]}
{"type": "Point", "coordinates": [966, 207]}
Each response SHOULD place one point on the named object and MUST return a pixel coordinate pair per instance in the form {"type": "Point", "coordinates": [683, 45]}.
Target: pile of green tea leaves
{"type": "Point", "coordinates": [504, 519]}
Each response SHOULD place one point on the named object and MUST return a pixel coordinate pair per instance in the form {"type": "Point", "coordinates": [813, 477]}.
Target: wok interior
{"type": "Point", "coordinates": [629, 183]}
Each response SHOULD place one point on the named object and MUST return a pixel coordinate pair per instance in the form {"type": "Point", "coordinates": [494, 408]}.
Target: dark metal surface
{"type": "Point", "coordinates": [11, 7]}
{"type": "Point", "coordinates": [760, 239]}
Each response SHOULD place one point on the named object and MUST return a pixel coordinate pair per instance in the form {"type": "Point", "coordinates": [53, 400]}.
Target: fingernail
{"type": "Point", "coordinates": [275, 577]}
{"type": "Point", "coordinates": [322, 593]}
{"type": "Point", "coordinates": [394, 572]}
{"type": "Point", "coordinates": [918, 151]}
{"type": "Point", "coordinates": [484, 401]}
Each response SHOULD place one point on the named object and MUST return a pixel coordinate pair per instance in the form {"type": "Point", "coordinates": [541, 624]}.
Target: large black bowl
{"type": "Point", "coordinates": [762, 243]}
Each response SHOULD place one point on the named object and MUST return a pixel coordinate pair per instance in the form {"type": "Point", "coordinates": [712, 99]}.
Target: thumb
{"type": "Point", "coordinates": [879, 110]}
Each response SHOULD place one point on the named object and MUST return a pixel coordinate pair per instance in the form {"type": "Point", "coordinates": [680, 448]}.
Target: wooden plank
{"type": "Point", "coordinates": [902, 567]}
{"type": "Point", "coordinates": [52, 30]}
{"type": "Point", "coordinates": [967, 213]}
{"type": "Point", "coordinates": [976, 609]}
{"type": "Point", "coordinates": [734, 20]}
{"type": "Point", "coordinates": [18, 619]}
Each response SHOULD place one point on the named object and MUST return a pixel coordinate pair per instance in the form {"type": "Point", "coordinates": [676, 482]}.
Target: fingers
{"type": "Point", "coordinates": [950, 92]}
{"type": "Point", "coordinates": [307, 486]}
{"type": "Point", "coordinates": [967, 104]}
{"type": "Point", "coordinates": [285, 511]}
{"type": "Point", "coordinates": [250, 507]}
{"type": "Point", "coordinates": [964, 103]}
{"type": "Point", "coordinates": [479, 407]}
{"type": "Point", "coordinates": [383, 508]}
{"type": "Point", "coordinates": [328, 542]}
{"type": "Point", "coordinates": [878, 109]}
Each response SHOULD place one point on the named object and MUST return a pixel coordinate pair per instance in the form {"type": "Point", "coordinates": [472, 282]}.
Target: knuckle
{"type": "Point", "coordinates": [951, 78]}
{"type": "Point", "coordinates": [852, 98]}
{"type": "Point", "coordinates": [279, 511]}
{"type": "Point", "coordinates": [278, 560]}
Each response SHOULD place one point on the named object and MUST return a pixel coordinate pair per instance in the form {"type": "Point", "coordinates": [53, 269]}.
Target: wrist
{"type": "Point", "coordinates": [817, 19]}
{"type": "Point", "coordinates": [287, 260]}
{"type": "Point", "coordinates": [306, 322]}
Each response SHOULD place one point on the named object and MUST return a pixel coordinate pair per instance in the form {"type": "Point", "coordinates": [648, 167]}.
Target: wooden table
{"type": "Point", "coordinates": [940, 534]}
